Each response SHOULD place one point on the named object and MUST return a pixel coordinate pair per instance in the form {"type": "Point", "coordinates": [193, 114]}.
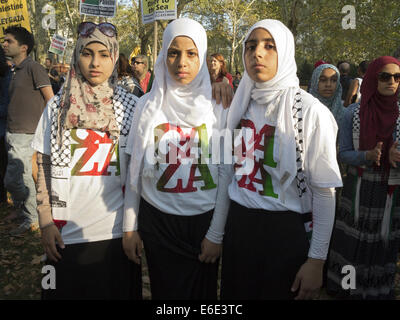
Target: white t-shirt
{"type": "Point", "coordinates": [261, 189]}
{"type": "Point", "coordinates": [89, 204]}
{"type": "Point", "coordinates": [185, 186]}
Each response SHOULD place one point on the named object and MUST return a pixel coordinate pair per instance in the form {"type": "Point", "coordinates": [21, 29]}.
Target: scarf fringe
{"type": "Point", "coordinates": [385, 232]}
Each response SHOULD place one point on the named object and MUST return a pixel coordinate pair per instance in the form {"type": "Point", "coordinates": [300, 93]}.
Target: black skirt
{"type": "Point", "coordinates": [262, 253]}
{"type": "Point", "coordinates": [358, 243]}
{"type": "Point", "coordinates": [95, 270]}
{"type": "Point", "coordinates": [172, 244]}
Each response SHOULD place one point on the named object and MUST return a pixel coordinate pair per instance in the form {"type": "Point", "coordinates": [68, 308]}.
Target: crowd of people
{"type": "Point", "coordinates": [195, 168]}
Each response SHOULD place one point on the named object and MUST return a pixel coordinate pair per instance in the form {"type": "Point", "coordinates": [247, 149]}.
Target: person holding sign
{"type": "Point", "coordinates": [289, 171]}
{"type": "Point", "coordinates": [80, 141]}
{"type": "Point", "coordinates": [367, 229]}
{"type": "Point", "coordinates": [181, 199]}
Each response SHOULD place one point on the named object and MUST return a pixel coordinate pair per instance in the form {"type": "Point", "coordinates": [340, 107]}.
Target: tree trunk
{"type": "Point", "coordinates": [41, 40]}
{"type": "Point", "coordinates": [71, 20]}
{"type": "Point", "coordinates": [293, 21]}
{"type": "Point", "coordinates": [233, 49]}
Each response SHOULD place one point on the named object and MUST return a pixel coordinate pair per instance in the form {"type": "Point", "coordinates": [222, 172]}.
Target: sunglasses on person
{"type": "Point", "coordinates": [85, 29]}
{"type": "Point", "coordinates": [385, 77]}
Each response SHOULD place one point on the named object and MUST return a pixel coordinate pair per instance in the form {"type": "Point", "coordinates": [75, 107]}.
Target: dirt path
{"type": "Point", "coordinates": [20, 265]}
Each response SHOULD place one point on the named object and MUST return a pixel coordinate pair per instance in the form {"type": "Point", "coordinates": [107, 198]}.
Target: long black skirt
{"type": "Point", "coordinates": [359, 244]}
{"type": "Point", "coordinates": [172, 244]}
{"type": "Point", "coordinates": [95, 270]}
{"type": "Point", "coordinates": [262, 253]}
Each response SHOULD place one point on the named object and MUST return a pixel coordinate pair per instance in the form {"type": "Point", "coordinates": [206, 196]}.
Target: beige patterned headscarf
{"type": "Point", "coordinates": [85, 106]}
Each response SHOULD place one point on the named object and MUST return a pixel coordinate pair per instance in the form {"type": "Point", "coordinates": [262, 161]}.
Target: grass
{"type": "Point", "coordinates": [20, 265]}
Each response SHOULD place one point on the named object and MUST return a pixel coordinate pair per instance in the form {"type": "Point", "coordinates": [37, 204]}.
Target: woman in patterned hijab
{"type": "Point", "coordinates": [86, 98]}
{"type": "Point", "coordinates": [80, 139]}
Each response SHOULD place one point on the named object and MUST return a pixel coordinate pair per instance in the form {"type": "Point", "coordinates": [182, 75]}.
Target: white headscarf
{"type": "Point", "coordinates": [187, 104]}
{"type": "Point", "coordinates": [277, 94]}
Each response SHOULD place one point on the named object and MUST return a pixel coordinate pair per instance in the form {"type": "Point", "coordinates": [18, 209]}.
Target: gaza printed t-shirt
{"type": "Point", "coordinates": [257, 184]}
{"type": "Point", "coordinates": [94, 198]}
{"type": "Point", "coordinates": [184, 184]}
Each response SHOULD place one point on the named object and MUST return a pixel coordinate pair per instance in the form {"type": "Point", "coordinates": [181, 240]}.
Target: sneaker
{"type": "Point", "coordinates": [23, 227]}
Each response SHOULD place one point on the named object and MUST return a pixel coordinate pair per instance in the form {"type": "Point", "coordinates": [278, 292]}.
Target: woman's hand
{"type": "Point", "coordinates": [51, 235]}
{"type": "Point", "coordinates": [210, 251]}
{"type": "Point", "coordinates": [394, 155]}
{"type": "Point", "coordinates": [132, 244]}
{"type": "Point", "coordinates": [375, 154]}
{"type": "Point", "coordinates": [308, 279]}
{"type": "Point", "coordinates": [222, 91]}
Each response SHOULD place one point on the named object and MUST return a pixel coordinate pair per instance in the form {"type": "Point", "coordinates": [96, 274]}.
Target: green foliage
{"type": "Point", "coordinates": [316, 25]}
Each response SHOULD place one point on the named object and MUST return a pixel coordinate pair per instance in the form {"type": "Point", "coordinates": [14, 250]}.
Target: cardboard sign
{"type": "Point", "coordinates": [13, 13]}
{"type": "Point", "coordinates": [58, 45]}
{"type": "Point", "coordinates": [158, 10]}
{"type": "Point", "coordinates": [99, 8]}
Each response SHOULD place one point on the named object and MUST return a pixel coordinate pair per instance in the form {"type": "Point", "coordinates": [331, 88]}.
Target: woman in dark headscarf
{"type": "Point", "coordinates": [367, 230]}
{"type": "Point", "coordinates": [82, 168]}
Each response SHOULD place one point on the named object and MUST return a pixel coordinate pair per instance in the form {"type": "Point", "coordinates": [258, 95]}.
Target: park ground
{"type": "Point", "coordinates": [21, 264]}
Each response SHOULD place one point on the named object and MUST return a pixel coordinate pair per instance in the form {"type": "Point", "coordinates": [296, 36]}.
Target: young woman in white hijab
{"type": "Point", "coordinates": [289, 171]}
{"type": "Point", "coordinates": [181, 199]}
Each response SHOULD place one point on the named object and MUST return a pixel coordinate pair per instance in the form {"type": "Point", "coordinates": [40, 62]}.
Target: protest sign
{"type": "Point", "coordinates": [58, 45]}
{"type": "Point", "coordinates": [13, 13]}
{"type": "Point", "coordinates": [100, 8]}
{"type": "Point", "coordinates": [158, 10]}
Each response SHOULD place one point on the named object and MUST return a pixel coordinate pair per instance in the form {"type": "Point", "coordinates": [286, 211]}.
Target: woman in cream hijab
{"type": "Point", "coordinates": [181, 197]}
{"type": "Point", "coordinates": [289, 170]}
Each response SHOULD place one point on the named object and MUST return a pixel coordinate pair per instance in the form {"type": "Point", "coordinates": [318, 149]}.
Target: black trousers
{"type": "Point", "coordinates": [95, 270]}
{"type": "Point", "coordinates": [172, 244]}
{"type": "Point", "coordinates": [262, 253]}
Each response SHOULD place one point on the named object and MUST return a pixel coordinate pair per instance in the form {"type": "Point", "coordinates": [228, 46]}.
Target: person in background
{"type": "Point", "coordinates": [316, 65]}
{"type": "Point", "coordinates": [367, 228]}
{"type": "Point", "coordinates": [5, 77]}
{"type": "Point", "coordinates": [354, 93]}
{"type": "Point", "coordinates": [29, 91]}
{"type": "Point", "coordinates": [326, 87]}
{"type": "Point", "coordinates": [140, 69]}
{"type": "Point", "coordinates": [345, 79]}
{"type": "Point", "coordinates": [53, 75]}
{"type": "Point", "coordinates": [125, 78]}
{"type": "Point", "coordinates": [236, 81]}
{"type": "Point", "coordinates": [217, 68]}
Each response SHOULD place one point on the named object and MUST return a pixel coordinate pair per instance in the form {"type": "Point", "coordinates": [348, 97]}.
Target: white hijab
{"type": "Point", "coordinates": [277, 95]}
{"type": "Point", "coordinates": [187, 104]}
